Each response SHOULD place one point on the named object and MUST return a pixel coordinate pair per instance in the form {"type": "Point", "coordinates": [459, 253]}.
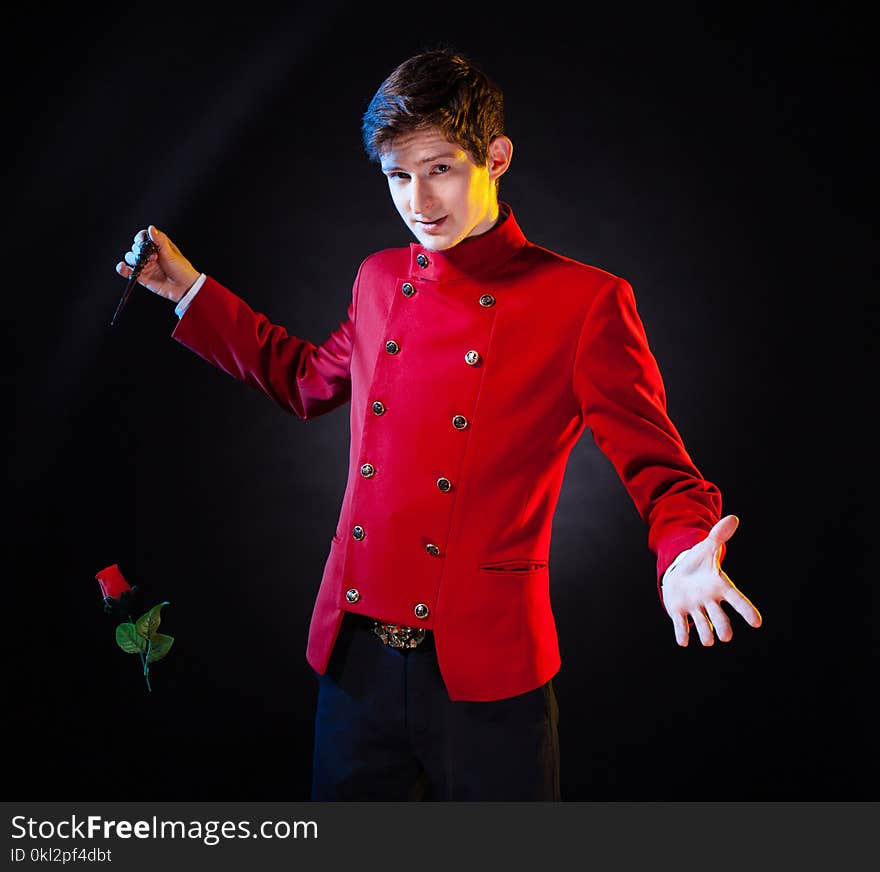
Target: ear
{"type": "Point", "coordinates": [500, 155]}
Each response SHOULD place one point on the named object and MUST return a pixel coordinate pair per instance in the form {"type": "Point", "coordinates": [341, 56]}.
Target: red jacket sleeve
{"type": "Point", "coordinates": [623, 401]}
{"type": "Point", "coordinates": [301, 377]}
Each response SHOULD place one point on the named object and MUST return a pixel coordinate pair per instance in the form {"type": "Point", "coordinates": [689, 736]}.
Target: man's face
{"type": "Point", "coordinates": [441, 194]}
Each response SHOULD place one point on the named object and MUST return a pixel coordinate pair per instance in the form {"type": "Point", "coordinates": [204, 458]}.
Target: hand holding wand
{"type": "Point", "coordinates": [147, 248]}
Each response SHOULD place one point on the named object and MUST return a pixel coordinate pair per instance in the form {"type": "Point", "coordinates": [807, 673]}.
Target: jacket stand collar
{"type": "Point", "coordinates": [476, 255]}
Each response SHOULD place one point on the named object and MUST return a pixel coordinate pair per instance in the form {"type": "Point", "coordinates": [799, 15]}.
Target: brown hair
{"type": "Point", "coordinates": [436, 88]}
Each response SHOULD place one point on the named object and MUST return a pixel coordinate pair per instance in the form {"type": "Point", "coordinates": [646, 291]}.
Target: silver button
{"type": "Point", "coordinates": [421, 611]}
{"type": "Point", "coordinates": [378, 408]}
{"type": "Point", "coordinates": [368, 470]}
{"type": "Point", "coordinates": [433, 550]}
{"type": "Point", "coordinates": [408, 289]}
{"type": "Point", "coordinates": [472, 357]}
{"type": "Point", "coordinates": [421, 260]}
{"type": "Point", "coordinates": [352, 595]}
{"type": "Point", "coordinates": [459, 422]}
{"type": "Point", "coordinates": [392, 347]}
{"type": "Point", "coordinates": [444, 484]}
{"type": "Point", "coordinates": [487, 300]}
{"type": "Point", "coordinates": [358, 532]}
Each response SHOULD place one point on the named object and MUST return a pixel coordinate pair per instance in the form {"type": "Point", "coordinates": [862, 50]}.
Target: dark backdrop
{"type": "Point", "coordinates": [718, 161]}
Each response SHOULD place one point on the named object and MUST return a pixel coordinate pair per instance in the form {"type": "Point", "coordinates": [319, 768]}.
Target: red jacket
{"type": "Point", "coordinates": [471, 374]}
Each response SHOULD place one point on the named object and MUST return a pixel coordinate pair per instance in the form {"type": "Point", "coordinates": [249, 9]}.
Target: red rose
{"type": "Point", "coordinates": [112, 581]}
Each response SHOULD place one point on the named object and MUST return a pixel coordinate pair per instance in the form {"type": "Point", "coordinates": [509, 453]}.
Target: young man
{"type": "Point", "coordinates": [473, 361]}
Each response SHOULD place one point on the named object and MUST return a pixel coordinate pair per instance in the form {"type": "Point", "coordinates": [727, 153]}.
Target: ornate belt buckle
{"type": "Point", "coordinates": [398, 635]}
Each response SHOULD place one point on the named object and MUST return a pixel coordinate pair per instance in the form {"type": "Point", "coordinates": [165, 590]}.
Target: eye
{"type": "Point", "coordinates": [442, 168]}
{"type": "Point", "coordinates": [397, 174]}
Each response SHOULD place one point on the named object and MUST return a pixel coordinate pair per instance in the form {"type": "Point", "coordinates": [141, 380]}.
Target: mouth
{"type": "Point", "coordinates": [431, 226]}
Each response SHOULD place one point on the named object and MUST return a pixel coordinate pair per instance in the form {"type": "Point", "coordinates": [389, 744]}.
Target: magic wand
{"type": "Point", "coordinates": [147, 249]}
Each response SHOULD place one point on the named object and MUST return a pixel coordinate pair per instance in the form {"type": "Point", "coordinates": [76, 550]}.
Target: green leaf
{"type": "Point", "coordinates": [160, 645]}
{"type": "Point", "coordinates": [128, 639]}
{"type": "Point", "coordinates": [148, 623]}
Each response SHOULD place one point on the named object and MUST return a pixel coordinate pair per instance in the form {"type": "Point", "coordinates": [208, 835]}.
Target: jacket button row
{"type": "Point", "coordinates": [368, 471]}
{"type": "Point", "coordinates": [421, 260]}
{"type": "Point", "coordinates": [458, 421]}
{"type": "Point", "coordinates": [472, 357]}
{"type": "Point", "coordinates": [408, 289]}
{"type": "Point", "coordinates": [421, 611]}
{"type": "Point", "coordinates": [358, 532]}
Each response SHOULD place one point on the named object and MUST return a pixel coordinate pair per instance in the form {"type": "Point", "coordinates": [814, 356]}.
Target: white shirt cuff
{"type": "Point", "coordinates": [189, 296]}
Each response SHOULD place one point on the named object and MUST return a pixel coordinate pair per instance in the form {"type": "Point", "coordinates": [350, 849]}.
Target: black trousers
{"type": "Point", "coordinates": [386, 730]}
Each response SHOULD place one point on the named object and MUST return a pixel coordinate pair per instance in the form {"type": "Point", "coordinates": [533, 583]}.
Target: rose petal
{"type": "Point", "coordinates": [112, 581]}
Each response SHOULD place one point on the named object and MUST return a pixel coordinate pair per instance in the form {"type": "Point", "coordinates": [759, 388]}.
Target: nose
{"type": "Point", "coordinates": [421, 198]}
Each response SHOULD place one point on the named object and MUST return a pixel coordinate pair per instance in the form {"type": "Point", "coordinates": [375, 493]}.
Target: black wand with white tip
{"type": "Point", "coordinates": [148, 248]}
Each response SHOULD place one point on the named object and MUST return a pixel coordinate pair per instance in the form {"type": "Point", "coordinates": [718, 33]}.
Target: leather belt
{"type": "Point", "coordinates": [398, 635]}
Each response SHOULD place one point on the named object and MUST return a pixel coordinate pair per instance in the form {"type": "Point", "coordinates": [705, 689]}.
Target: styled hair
{"type": "Point", "coordinates": [436, 88]}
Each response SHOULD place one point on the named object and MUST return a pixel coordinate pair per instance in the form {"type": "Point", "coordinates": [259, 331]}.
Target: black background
{"type": "Point", "coordinates": [717, 160]}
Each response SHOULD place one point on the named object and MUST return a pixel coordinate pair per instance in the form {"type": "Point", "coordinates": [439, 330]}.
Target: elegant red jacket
{"type": "Point", "coordinates": [471, 374]}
